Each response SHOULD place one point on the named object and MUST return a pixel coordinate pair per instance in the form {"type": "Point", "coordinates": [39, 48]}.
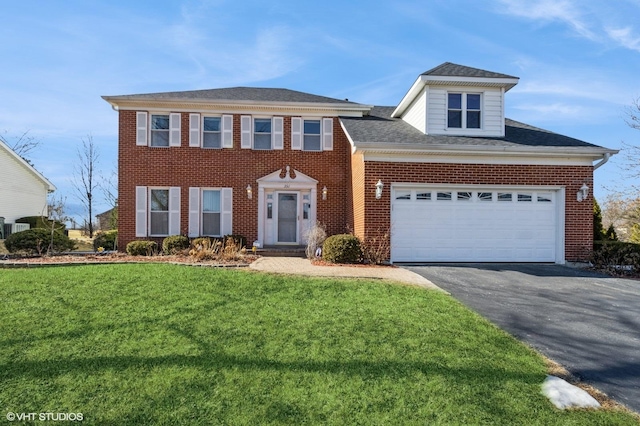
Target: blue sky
{"type": "Point", "coordinates": [578, 61]}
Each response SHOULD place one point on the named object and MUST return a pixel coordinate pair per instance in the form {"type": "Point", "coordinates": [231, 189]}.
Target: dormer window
{"type": "Point", "coordinates": [463, 111]}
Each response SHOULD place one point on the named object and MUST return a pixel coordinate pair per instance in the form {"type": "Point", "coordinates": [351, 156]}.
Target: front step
{"type": "Point", "coordinates": [282, 251]}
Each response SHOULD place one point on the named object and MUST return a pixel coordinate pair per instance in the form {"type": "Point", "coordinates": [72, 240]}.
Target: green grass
{"type": "Point", "coordinates": [167, 344]}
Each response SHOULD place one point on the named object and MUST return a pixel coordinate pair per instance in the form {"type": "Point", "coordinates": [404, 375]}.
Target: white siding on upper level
{"type": "Point", "coordinates": [491, 111]}
{"type": "Point", "coordinates": [416, 114]}
{"type": "Point", "coordinates": [21, 192]}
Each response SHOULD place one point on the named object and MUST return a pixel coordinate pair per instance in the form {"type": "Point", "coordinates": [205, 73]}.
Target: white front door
{"type": "Point", "coordinates": [287, 222]}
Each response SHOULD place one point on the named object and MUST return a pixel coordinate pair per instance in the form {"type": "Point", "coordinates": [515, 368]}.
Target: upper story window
{"type": "Point", "coordinates": [159, 130]}
{"type": "Point", "coordinates": [311, 137]}
{"type": "Point", "coordinates": [463, 111]}
{"type": "Point", "coordinates": [261, 133]}
{"type": "Point", "coordinates": [211, 132]}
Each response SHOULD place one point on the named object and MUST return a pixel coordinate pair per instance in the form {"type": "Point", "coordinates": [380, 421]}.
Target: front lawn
{"type": "Point", "coordinates": [168, 344]}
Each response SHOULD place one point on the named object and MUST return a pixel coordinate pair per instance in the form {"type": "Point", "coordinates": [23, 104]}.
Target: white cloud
{"type": "Point", "coordinates": [625, 37]}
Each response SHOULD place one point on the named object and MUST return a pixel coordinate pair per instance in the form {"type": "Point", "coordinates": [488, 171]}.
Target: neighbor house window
{"type": "Point", "coordinates": [211, 132]}
{"type": "Point", "coordinates": [262, 133]}
{"type": "Point", "coordinates": [463, 111]}
{"type": "Point", "coordinates": [159, 212]}
{"type": "Point", "coordinates": [311, 137]}
{"type": "Point", "coordinates": [211, 213]}
{"type": "Point", "coordinates": [159, 130]}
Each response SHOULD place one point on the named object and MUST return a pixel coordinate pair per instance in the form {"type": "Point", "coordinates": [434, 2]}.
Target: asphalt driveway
{"type": "Point", "coordinates": [587, 322]}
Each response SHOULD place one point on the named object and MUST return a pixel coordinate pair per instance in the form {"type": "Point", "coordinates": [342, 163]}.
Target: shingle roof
{"type": "Point", "coordinates": [449, 69]}
{"type": "Point", "coordinates": [378, 128]}
{"type": "Point", "coordinates": [258, 94]}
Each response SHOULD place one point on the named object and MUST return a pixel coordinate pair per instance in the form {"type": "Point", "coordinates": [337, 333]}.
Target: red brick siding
{"type": "Point", "coordinates": [578, 215]}
{"type": "Point", "coordinates": [186, 167]}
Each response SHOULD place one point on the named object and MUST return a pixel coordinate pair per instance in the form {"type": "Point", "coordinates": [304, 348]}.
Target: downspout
{"type": "Point", "coordinates": [606, 157]}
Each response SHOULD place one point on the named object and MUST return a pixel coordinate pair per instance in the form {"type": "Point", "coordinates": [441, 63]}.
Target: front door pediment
{"type": "Point", "coordinates": [299, 179]}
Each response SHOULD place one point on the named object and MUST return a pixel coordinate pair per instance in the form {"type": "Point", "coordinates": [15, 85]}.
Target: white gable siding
{"type": "Point", "coordinates": [21, 192]}
{"type": "Point", "coordinates": [491, 111]}
{"type": "Point", "coordinates": [416, 114]}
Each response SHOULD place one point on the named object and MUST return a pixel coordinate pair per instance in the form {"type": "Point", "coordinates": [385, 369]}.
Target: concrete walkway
{"type": "Point", "coordinates": [299, 266]}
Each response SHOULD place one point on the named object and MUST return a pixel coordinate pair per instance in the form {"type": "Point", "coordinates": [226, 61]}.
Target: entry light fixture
{"type": "Point", "coordinates": [249, 192]}
{"type": "Point", "coordinates": [324, 193]}
{"type": "Point", "coordinates": [583, 192]}
{"type": "Point", "coordinates": [379, 187]}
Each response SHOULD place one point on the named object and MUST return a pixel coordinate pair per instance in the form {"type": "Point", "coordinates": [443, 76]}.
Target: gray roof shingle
{"type": "Point", "coordinates": [449, 69]}
{"type": "Point", "coordinates": [379, 128]}
{"type": "Point", "coordinates": [258, 94]}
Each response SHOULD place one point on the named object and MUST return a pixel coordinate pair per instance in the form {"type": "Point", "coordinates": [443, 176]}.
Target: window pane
{"type": "Point", "coordinates": [423, 196]}
{"type": "Point", "coordinates": [525, 197]}
{"type": "Point", "coordinates": [212, 124]}
{"type": "Point", "coordinates": [311, 143]}
{"type": "Point", "coordinates": [473, 102]}
{"type": "Point", "coordinates": [269, 210]}
{"type": "Point", "coordinates": [312, 127]}
{"type": "Point", "coordinates": [473, 119]}
{"type": "Point", "coordinates": [544, 198]}
{"type": "Point", "coordinates": [160, 200]}
{"type": "Point", "coordinates": [455, 119]}
{"type": "Point", "coordinates": [403, 195]}
{"type": "Point", "coordinates": [159, 138]}
{"type": "Point", "coordinates": [211, 224]}
{"type": "Point", "coordinates": [262, 125]}
{"type": "Point", "coordinates": [159, 122]}
{"type": "Point", "coordinates": [464, 196]}
{"type": "Point", "coordinates": [455, 101]}
{"type": "Point", "coordinates": [261, 141]}
{"type": "Point", "coordinates": [485, 196]}
{"type": "Point", "coordinates": [444, 196]}
{"type": "Point", "coordinates": [211, 140]}
{"type": "Point", "coordinates": [159, 223]}
{"type": "Point", "coordinates": [504, 196]}
{"type": "Point", "coordinates": [306, 207]}
{"type": "Point", "coordinates": [210, 201]}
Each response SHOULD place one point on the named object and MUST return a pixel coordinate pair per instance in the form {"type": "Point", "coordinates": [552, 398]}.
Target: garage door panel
{"type": "Point", "coordinates": [521, 229]}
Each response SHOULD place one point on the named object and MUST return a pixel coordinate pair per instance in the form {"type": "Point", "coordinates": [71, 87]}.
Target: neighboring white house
{"type": "Point", "coordinates": [23, 190]}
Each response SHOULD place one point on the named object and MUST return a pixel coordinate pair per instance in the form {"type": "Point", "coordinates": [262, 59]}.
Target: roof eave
{"type": "Point", "coordinates": [50, 186]}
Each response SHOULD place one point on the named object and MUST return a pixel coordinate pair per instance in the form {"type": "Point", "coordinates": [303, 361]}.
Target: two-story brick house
{"type": "Point", "coordinates": [444, 171]}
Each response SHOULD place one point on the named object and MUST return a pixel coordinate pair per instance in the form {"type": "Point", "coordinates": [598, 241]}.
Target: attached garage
{"type": "Point", "coordinates": [476, 224]}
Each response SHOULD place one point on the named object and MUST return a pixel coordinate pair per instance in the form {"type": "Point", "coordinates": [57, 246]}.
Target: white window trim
{"type": "Point", "coordinates": [155, 188]}
{"type": "Point", "coordinates": [464, 111]}
{"type": "Point", "coordinates": [201, 212]}
{"type": "Point", "coordinates": [303, 134]}
{"type": "Point", "coordinates": [253, 132]}
{"type": "Point", "coordinates": [174, 131]}
{"type": "Point", "coordinates": [202, 131]}
{"type": "Point", "coordinates": [195, 210]}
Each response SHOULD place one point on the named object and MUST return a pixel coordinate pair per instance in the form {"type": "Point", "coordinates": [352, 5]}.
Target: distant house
{"type": "Point", "coordinates": [444, 171]}
{"type": "Point", "coordinates": [107, 220]}
{"type": "Point", "coordinates": [23, 190]}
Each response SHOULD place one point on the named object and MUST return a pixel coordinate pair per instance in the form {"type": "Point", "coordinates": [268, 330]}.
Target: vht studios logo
{"type": "Point", "coordinates": [52, 417]}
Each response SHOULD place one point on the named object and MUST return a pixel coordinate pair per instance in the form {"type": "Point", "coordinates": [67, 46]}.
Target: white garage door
{"type": "Point", "coordinates": [473, 225]}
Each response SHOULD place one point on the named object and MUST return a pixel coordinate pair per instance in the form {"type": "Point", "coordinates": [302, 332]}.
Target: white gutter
{"type": "Point", "coordinates": [605, 158]}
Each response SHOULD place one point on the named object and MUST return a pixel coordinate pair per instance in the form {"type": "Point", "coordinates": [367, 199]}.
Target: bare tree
{"type": "Point", "coordinates": [109, 187]}
{"type": "Point", "coordinates": [84, 180]}
{"type": "Point", "coordinates": [631, 152]}
{"type": "Point", "coordinates": [23, 145]}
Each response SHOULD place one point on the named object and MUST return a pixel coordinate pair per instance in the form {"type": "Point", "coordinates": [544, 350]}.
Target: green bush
{"type": "Point", "coordinates": [40, 222]}
{"type": "Point", "coordinates": [107, 240]}
{"type": "Point", "coordinates": [142, 248]}
{"type": "Point", "coordinates": [342, 248]}
{"type": "Point", "coordinates": [239, 240]}
{"type": "Point", "coordinates": [38, 241]}
{"type": "Point", "coordinates": [616, 257]}
{"type": "Point", "coordinates": [175, 244]}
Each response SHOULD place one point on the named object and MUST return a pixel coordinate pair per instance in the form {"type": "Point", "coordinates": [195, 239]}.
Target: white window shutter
{"type": "Point", "coordinates": [194, 212]}
{"type": "Point", "coordinates": [141, 128]}
{"type": "Point", "coordinates": [327, 134]}
{"type": "Point", "coordinates": [245, 132]}
{"type": "Point", "coordinates": [174, 129]}
{"type": "Point", "coordinates": [277, 136]}
{"type": "Point", "coordinates": [226, 210]}
{"type": "Point", "coordinates": [227, 131]}
{"type": "Point", "coordinates": [296, 133]}
{"type": "Point", "coordinates": [141, 211]}
{"type": "Point", "coordinates": [174, 210]}
{"type": "Point", "coordinates": [194, 130]}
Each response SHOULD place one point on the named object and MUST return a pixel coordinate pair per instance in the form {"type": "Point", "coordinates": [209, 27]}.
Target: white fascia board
{"type": "Point", "coordinates": [507, 83]}
{"type": "Point", "coordinates": [50, 187]}
{"type": "Point", "coordinates": [349, 138]}
{"type": "Point", "coordinates": [406, 101]}
{"type": "Point", "coordinates": [595, 153]}
{"type": "Point", "coordinates": [353, 110]}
